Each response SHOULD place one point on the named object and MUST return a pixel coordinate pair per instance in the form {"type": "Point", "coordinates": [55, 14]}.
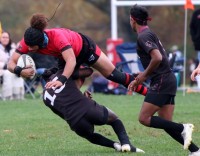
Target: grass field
{"type": "Point", "coordinates": [29, 128]}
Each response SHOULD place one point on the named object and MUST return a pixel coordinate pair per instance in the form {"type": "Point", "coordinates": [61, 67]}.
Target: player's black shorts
{"type": "Point", "coordinates": [163, 84]}
{"type": "Point", "coordinates": [162, 90]}
{"type": "Point", "coordinates": [96, 115]}
{"type": "Point", "coordinates": [90, 52]}
{"type": "Point", "coordinates": [160, 99]}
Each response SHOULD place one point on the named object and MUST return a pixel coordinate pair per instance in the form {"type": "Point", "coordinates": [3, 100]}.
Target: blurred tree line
{"type": "Point", "coordinates": [92, 17]}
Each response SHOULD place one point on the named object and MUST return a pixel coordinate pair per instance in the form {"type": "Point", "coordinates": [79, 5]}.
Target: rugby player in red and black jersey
{"type": "Point", "coordinates": [72, 49]}
{"type": "Point", "coordinates": [160, 97]}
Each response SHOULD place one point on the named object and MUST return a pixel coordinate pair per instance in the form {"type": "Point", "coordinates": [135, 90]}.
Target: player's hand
{"type": "Point", "coordinates": [88, 94]}
{"type": "Point", "coordinates": [133, 85]}
{"type": "Point", "coordinates": [27, 72]}
{"type": "Point", "coordinates": [195, 73]}
{"type": "Point", "coordinates": [53, 84]}
{"type": "Point", "coordinates": [139, 79]}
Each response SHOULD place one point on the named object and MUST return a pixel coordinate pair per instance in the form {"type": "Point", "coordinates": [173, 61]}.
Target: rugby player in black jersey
{"type": "Point", "coordinates": [160, 97]}
{"type": "Point", "coordinates": [82, 113]}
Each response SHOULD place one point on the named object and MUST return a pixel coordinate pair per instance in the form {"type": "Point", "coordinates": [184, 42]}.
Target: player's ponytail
{"type": "Point", "coordinates": [39, 21]}
{"type": "Point", "coordinates": [35, 35]}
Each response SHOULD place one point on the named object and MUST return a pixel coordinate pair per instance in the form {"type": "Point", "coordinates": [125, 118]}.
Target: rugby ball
{"type": "Point", "coordinates": [26, 60]}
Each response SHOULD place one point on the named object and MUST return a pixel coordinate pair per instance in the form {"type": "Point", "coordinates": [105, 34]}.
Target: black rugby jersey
{"type": "Point", "coordinates": [146, 42]}
{"type": "Point", "coordinates": [67, 101]}
{"type": "Point", "coordinates": [162, 78]}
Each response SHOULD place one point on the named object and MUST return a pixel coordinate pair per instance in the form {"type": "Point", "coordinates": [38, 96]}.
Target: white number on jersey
{"type": "Point", "coordinates": [50, 97]}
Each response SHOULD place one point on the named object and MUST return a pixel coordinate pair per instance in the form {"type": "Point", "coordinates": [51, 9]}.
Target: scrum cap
{"type": "Point", "coordinates": [33, 37]}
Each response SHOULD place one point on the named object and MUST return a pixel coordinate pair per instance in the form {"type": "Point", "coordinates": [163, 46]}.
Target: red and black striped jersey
{"type": "Point", "coordinates": [60, 39]}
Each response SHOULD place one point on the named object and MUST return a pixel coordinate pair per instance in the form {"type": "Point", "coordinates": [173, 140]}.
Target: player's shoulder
{"type": "Point", "coordinates": [22, 47]}
{"type": "Point", "coordinates": [56, 30]}
{"type": "Point", "coordinates": [146, 34]}
{"type": "Point", "coordinates": [57, 33]}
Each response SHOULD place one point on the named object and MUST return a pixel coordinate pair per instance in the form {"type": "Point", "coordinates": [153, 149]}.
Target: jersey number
{"type": "Point", "coordinates": [56, 91]}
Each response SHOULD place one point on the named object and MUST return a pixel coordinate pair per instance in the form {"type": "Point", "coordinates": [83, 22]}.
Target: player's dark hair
{"type": "Point", "coordinates": [140, 14]}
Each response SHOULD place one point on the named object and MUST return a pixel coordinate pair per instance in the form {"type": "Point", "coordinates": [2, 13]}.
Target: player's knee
{"type": "Point", "coordinates": [84, 133]}
{"type": "Point", "coordinates": [111, 117]}
{"type": "Point", "coordinates": [144, 120]}
{"type": "Point", "coordinates": [111, 120]}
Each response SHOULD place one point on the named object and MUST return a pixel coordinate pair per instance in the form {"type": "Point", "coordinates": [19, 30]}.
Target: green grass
{"type": "Point", "coordinates": [29, 128]}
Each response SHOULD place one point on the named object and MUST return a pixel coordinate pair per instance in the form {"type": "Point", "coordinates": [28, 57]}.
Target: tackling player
{"type": "Point", "coordinates": [82, 113]}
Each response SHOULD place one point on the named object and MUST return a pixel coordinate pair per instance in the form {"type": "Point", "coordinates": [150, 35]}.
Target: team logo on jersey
{"type": "Point", "coordinates": [148, 44]}
{"type": "Point", "coordinates": [155, 86]}
{"type": "Point", "coordinates": [91, 58]}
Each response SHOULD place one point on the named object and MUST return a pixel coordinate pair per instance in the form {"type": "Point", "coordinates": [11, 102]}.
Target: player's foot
{"type": "Point", "coordinates": [117, 146]}
{"type": "Point", "coordinates": [197, 153]}
{"type": "Point", "coordinates": [187, 134]}
{"type": "Point", "coordinates": [136, 150]}
{"type": "Point", "coordinates": [131, 148]}
{"type": "Point", "coordinates": [126, 148]}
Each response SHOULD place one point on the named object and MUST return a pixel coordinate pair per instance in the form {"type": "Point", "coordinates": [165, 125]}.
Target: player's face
{"type": "Point", "coordinates": [133, 24]}
{"type": "Point", "coordinates": [33, 48]}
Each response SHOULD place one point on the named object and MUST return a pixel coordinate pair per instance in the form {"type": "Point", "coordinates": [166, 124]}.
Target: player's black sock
{"type": "Point", "coordinates": [120, 77]}
{"type": "Point", "coordinates": [119, 129]}
{"type": "Point", "coordinates": [158, 122]}
{"type": "Point", "coordinates": [98, 139]}
{"type": "Point", "coordinates": [125, 79]}
{"type": "Point", "coordinates": [193, 147]}
{"type": "Point", "coordinates": [133, 149]}
{"type": "Point", "coordinates": [178, 137]}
